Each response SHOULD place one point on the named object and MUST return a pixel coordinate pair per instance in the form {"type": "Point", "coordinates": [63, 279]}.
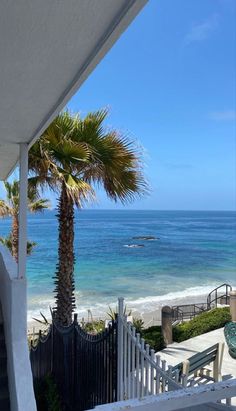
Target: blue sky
{"type": "Point", "coordinates": [170, 83]}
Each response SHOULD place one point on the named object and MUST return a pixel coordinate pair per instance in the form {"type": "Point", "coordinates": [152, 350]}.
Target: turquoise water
{"type": "Point", "coordinates": [193, 253]}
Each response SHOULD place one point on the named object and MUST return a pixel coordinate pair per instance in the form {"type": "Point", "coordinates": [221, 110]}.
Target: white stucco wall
{"type": "Point", "coordinates": [14, 308]}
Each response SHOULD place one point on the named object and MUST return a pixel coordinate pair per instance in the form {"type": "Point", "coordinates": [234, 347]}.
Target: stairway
{"type": "Point", "coordinates": [4, 391]}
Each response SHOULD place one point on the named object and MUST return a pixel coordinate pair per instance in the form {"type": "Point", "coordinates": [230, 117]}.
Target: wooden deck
{"type": "Point", "coordinates": [178, 352]}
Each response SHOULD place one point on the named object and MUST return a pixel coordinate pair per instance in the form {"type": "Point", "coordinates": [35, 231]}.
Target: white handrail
{"type": "Point", "coordinates": [150, 358]}
{"type": "Point", "coordinates": [143, 376]}
{"type": "Point", "coordinates": [140, 371]}
{"type": "Point", "coordinates": [178, 399]}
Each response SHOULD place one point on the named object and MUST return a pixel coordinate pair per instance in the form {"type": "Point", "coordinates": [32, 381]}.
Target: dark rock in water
{"type": "Point", "coordinates": [134, 245]}
{"type": "Point", "coordinates": [145, 237]}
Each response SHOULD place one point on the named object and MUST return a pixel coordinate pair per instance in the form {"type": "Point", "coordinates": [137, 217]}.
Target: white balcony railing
{"type": "Point", "coordinates": [202, 398]}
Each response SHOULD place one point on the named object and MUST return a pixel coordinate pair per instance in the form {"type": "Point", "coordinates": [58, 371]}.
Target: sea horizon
{"type": "Point", "coordinates": [93, 208]}
{"type": "Point", "coordinates": [189, 253]}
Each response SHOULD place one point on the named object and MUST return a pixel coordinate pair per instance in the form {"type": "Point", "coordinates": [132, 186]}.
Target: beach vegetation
{"type": "Point", "coordinates": [113, 312]}
{"type": "Point", "coordinates": [94, 327]}
{"type": "Point", "coordinates": [73, 157]}
{"type": "Point", "coordinates": [138, 323]}
{"type": "Point", "coordinates": [9, 207]}
{"type": "Point", "coordinates": [43, 320]}
{"type": "Point", "coordinates": [153, 337]}
{"type": "Point", "coordinates": [201, 324]}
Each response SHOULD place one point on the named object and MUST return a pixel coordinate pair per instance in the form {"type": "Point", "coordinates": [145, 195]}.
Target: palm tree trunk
{"type": "Point", "coordinates": [15, 236]}
{"type": "Point", "coordinates": [64, 280]}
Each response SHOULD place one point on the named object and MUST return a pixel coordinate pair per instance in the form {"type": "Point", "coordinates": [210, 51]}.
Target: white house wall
{"type": "Point", "coordinates": [13, 301]}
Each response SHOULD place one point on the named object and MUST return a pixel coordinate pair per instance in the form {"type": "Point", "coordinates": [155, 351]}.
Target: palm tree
{"type": "Point", "coordinates": [53, 162]}
{"type": "Point", "coordinates": [10, 207]}
{"type": "Point", "coordinates": [73, 156]}
{"type": "Point", "coordinates": [7, 242]}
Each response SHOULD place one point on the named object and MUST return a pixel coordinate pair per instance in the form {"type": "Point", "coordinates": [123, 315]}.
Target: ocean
{"type": "Point", "coordinates": [191, 253]}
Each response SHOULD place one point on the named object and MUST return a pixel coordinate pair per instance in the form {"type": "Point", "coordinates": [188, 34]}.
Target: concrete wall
{"type": "Point", "coordinates": [14, 308]}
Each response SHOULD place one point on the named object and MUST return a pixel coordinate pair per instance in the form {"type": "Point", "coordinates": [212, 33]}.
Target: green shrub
{"type": "Point", "coordinates": [201, 324]}
{"type": "Point", "coordinates": [138, 323]}
{"type": "Point", "coordinates": [46, 394]}
{"type": "Point", "coordinates": [153, 337]}
{"type": "Point", "coordinates": [94, 327]}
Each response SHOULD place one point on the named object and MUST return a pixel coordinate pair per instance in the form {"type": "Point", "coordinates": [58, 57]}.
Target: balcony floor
{"type": "Point", "coordinates": [178, 352]}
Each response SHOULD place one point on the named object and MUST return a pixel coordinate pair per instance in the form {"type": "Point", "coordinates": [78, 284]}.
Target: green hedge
{"type": "Point", "coordinates": [201, 324]}
{"type": "Point", "coordinates": [153, 337]}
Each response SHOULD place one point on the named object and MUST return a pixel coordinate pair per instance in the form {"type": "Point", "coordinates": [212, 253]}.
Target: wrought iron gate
{"type": "Point", "coordinates": [84, 366]}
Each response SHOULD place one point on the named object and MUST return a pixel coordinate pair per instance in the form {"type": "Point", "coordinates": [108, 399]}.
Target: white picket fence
{"type": "Point", "coordinates": [140, 371]}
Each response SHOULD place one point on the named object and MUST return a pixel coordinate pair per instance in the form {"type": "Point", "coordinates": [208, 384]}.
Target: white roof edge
{"type": "Point", "coordinates": [117, 27]}
{"type": "Point", "coordinates": [11, 171]}
{"type": "Point", "coordinates": [114, 31]}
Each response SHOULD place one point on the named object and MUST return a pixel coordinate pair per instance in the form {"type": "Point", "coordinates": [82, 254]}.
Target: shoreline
{"type": "Point", "coordinates": [151, 315]}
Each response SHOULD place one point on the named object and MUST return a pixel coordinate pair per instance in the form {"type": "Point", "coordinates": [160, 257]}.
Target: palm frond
{"type": "Point", "coordinates": [10, 207]}
{"type": "Point", "coordinates": [74, 149]}
{"type": "Point", "coordinates": [38, 205]}
{"type": "Point", "coordinates": [7, 242]}
{"type": "Point", "coordinates": [5, 209]}
{"type": "Point", "coordinates": [78, 190]}
{"type": "Point", "coordinates": [44, 182]}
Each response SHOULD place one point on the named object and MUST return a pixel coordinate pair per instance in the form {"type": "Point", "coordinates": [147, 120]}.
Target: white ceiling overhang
{"type": "Point", "coordinates": [47, 49]}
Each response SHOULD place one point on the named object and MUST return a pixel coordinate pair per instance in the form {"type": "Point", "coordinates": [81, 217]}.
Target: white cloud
{"type": "Point", "coordinates": [201, 31]}
{"type": "Point", "coordinates": [226, 115]}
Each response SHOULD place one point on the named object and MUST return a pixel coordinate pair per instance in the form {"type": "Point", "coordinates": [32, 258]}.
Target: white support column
{"type": "Point", "coordinates": [23, 210]}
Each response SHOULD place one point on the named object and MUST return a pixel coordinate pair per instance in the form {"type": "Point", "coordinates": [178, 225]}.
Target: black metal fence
{"type": "Point", "coordinates": [84, 366]}
{"type": "Point", "coordinates": [187, 311]}
{"type": "Point", "coordinates": [220, 295]}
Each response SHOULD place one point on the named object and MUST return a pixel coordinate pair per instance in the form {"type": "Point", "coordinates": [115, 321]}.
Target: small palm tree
{"type": "Point", "coordinates": [10, 208]}
{"type": "Point", "coordinates": [72, 156]}
{"type": "Point", "coordinates": [7, 242]}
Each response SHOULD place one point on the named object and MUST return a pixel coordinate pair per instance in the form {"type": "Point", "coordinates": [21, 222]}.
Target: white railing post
{"type": "Point", "coordinates": [23, 191]}
{"type": "Point", "coordinates": [158, 376]}
{"type": "Point", "coordinates": [133, 362]}
{"type": "Point", "coordinates": [120, 389]}
{"type": "Point", "coordinates": [138, 349]}
{"type": "Point", "coordinates": [125, 357]}
{"type": "Point", "coordinates": [147, 374]}
{"type": "Point", "coordinates": [129, 365]}
{"type": "Point", "coordinates": [152, 372]}
{"type": "Point", "coordinates": [142, 368]}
